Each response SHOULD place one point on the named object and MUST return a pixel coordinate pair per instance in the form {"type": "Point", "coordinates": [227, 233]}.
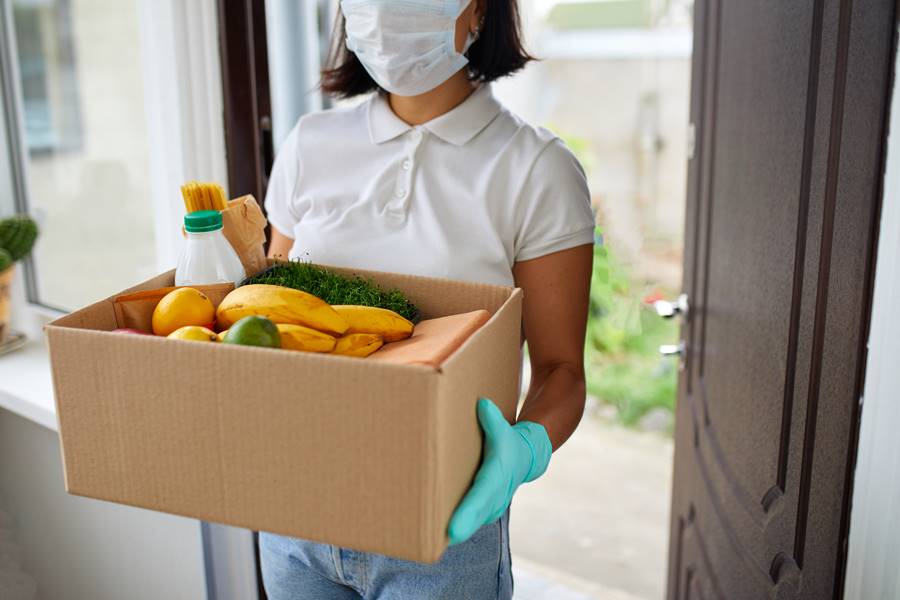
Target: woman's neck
{"type": "Point", "coordinates": [416, 110]}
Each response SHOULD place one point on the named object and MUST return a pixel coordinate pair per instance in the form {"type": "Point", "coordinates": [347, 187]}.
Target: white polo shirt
{"type": "Point", "coordinates": [463, 196]}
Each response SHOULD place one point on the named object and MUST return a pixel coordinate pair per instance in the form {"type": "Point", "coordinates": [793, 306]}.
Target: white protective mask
{"type": "Point", "coordinates": [407, 46]}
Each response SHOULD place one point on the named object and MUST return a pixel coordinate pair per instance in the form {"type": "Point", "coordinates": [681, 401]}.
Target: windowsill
{"type": "Point", "coordinates": [26, 387]}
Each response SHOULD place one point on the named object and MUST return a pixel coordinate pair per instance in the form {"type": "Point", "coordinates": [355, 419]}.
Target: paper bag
{"type": "Point", "coordinates": [244, 226]}
{"type": "Point", "coordinates": [135, 311]}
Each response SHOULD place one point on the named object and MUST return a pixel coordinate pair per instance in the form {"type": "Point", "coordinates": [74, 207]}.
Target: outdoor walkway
{"type": "Point", "coordinates": [595, 526]}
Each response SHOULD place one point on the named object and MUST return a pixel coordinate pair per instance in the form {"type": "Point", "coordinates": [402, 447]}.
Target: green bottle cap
{"type": "Point", "coordinates": [202, 221]}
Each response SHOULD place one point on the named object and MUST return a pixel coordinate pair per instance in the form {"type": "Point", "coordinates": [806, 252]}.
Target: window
{"type": "Point", "coordinates": [293, 80]}
{"type": "Point", "coordinates": [76, 118]}
{"type": "Point", "coordinates": [49, 91]}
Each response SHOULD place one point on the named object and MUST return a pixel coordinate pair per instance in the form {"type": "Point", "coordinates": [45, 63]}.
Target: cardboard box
{"type": "Point", "coordinates": [366, 455]}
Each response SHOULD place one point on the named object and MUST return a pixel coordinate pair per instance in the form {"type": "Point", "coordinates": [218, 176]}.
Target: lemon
{"type": "Point", "coordinates": [194, 333]}
{"type": "Point", "coordinates": [182, 307]}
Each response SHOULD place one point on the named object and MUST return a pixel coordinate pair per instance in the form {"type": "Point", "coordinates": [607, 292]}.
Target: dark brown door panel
{"type": "Point", "coordinates": [789, 104]}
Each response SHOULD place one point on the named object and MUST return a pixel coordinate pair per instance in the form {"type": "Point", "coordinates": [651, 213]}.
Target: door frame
{"type": "Point", "coordinates": [247, 104]}
{"type": "Point", "coordinates": [876, 490]}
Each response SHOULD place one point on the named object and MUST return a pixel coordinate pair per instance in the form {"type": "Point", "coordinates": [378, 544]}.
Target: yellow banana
{"type": "Point", "coordinates": [369, 319]}
{"type": "Point", "coordinates": [221, 334]}
{"type": "Point", "coordinates": [298, 337]}
{"type": "Point", "coordinates": [357, 344]}
{"type": "Point", "coordinates": [280, 305]}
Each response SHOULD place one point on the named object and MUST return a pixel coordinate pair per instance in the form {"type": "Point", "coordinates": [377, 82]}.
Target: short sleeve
{"type": "Point", "coordinates": [554, 210]}
{"type": "Point", "coordinates": [282, 181]}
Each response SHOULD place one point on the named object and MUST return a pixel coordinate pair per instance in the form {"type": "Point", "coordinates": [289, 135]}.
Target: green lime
{"type": "Point", "coordinates": [254, 331]}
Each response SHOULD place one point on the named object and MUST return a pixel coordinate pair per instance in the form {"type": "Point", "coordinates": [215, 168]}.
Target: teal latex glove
{"type": "Point", "coordinates": [512, 455]}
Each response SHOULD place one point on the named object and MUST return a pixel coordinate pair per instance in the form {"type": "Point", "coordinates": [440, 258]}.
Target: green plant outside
{"type": "Point", "coordinates": [623, 366]}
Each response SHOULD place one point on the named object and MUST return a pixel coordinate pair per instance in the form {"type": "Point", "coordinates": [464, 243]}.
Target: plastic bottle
{"type": "Point", "coordinates": [207, 256]}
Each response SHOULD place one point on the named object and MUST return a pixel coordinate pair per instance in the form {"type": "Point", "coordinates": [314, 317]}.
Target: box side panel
{"type": "Point", "coordinates": [319, 447]}
{"type": "Point", "coordinates": [101, 315]}
{"type": "Point", "coordinates": [489, 365]}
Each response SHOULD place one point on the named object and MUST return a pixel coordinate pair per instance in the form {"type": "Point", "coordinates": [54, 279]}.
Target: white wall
{"type": "Point", "coordinates": [82, 549]}
{"type": "Point", "coordinates": [872, 572]}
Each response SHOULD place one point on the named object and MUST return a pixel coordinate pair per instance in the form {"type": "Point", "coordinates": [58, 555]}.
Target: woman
{"type": "Point", "coordinates": [432, 176]}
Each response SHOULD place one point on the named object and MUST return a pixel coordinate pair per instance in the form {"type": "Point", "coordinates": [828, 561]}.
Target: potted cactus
{"type": "Point", "coordinates": [17, 236]}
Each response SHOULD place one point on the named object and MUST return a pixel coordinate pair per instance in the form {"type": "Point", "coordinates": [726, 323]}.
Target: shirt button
{"type": "Point", "coordinates": [406, 164]}
{"type": "Point", "coordinates": [401, 193]}
{"type": "Point", "coordinates": [416, 135]}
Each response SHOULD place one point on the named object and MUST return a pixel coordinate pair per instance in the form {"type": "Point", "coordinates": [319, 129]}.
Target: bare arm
{"type": "Point", "coordinates": [279, 245]}
{"type": "Point", "coordinates": [555, 311]}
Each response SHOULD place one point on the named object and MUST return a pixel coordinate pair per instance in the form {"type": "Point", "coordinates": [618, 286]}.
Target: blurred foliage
{"type": "Point", "coordinates": [623, 366]}
{"type": "Point", "coordinates": [622, 361]}
{"type": "Point", "coordinates": [605, 14]}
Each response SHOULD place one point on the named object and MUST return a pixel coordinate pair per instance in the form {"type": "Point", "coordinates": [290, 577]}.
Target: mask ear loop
{"type": "Point", "coordinates": [477, 33]}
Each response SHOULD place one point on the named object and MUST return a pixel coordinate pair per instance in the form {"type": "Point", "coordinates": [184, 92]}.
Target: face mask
{"type": "Point", "coordinates": [407, 46]}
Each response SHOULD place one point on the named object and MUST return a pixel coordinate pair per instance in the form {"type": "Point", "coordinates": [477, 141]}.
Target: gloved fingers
{"type": "Point", "coordinates": [478, 504]}
{"type": "Point", "coordinates": [491, 419]}
{"type": "Point", "coordinates": [497, 513]}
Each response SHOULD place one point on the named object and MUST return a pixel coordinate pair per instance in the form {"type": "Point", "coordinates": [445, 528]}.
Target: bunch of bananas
{"type": "Point", "coordinates": [308, 323]}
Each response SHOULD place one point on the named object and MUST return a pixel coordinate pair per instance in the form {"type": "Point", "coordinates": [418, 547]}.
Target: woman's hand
{"type": "Point", "coordinates": [513, 455]}
{"type": "Point", "coordinates": [279, 245]}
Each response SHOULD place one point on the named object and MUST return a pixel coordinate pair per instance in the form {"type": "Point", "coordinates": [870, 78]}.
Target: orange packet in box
{"type": "Point", "coordinates": [432, 340]}
{"type": "Point", "coordinates": [135, 311]}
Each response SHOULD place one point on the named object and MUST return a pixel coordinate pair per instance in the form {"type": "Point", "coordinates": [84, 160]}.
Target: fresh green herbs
{"type": "Point", "coordinates": [335, 288]}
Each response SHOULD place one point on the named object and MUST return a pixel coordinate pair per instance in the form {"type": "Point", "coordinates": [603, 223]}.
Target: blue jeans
{"type": "Point", "coordinates": [477, 569]}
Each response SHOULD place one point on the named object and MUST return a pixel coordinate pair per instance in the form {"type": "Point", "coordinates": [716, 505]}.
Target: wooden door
{"type": "Point", "coordinates": [788, 104]}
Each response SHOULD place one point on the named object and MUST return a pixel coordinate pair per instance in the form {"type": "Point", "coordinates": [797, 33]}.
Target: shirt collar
{"type": "Point", "coordinates": [457, 126]}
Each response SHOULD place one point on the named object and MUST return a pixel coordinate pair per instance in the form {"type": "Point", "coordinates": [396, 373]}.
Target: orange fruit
{"type": "Point", "coordinates": [180, 308]}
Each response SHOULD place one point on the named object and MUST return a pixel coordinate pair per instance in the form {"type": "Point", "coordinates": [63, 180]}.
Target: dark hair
{"type": "Point", "coordinates": [496, 53]}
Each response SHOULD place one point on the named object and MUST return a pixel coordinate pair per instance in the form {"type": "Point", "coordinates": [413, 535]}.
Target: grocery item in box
{"type": "Point", "coordinates": [433, 340]}
{"type": "Point", "coordinates": [244, 226]}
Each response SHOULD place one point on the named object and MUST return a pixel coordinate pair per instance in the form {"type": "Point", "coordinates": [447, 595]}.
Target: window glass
{"type": "Point", "coordinates": [7, 188]}
{"type": "Point", "coordinates": [81, 101]}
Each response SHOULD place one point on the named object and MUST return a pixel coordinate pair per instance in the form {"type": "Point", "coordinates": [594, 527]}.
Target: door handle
{"type": "Point", "coordinates": [668, 310]}
{"type": "Point", "coordinates": [672, 349]}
